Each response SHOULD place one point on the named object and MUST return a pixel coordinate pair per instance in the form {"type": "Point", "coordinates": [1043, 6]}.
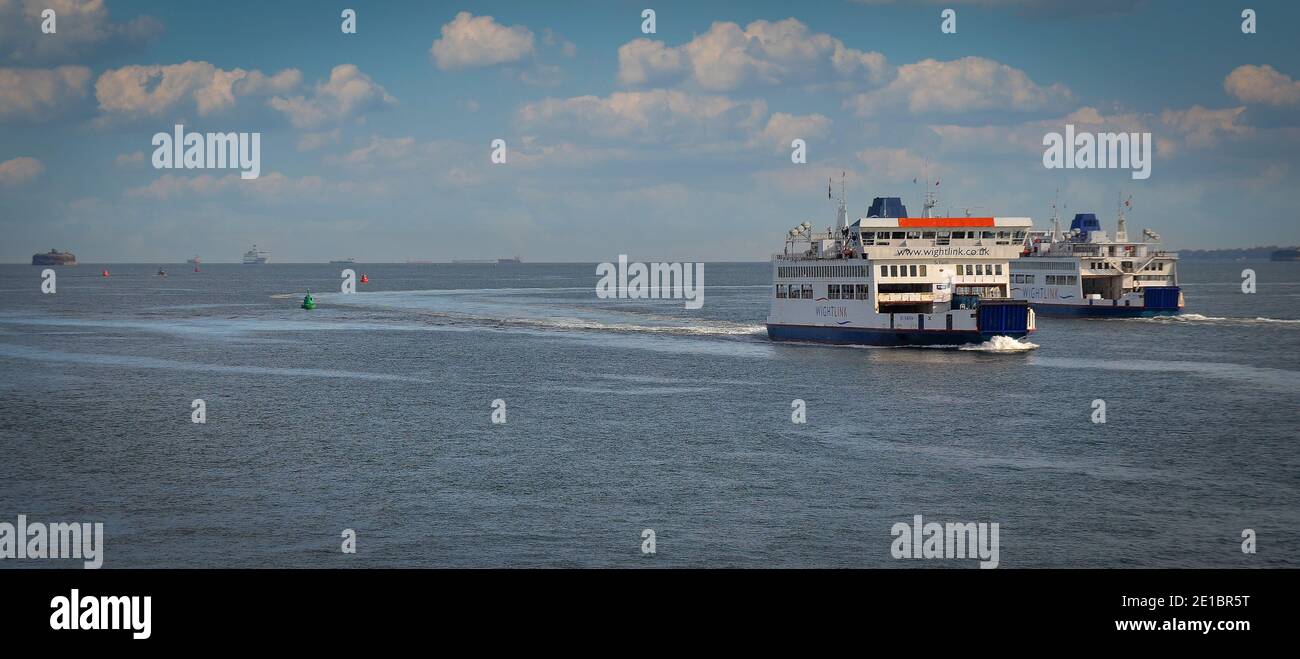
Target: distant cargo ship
{"type": "Point", "coordinates": [255, 257]}
{"type": "Point", "coordinates": [348, 261]}
{"type": "Point", "coordinates": [1286, 255]}
{"type": "Point", "coordinates": [54, 257]}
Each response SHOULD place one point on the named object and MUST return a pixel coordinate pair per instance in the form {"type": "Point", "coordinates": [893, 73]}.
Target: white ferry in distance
{"type": "Point", "coordinates": [1086, 273]}
{"type": "Point", "coordinates": [255, 257]}
{"type": "Point", "coordinates": [890, 280]}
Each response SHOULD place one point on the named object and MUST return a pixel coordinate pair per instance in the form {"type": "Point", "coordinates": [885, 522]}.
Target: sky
{"type": "Point", "coordinates": [673, 146]}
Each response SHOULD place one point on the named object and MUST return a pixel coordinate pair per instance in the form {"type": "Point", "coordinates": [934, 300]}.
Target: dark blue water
{"type": "Point", "coordinates": [373, 412]}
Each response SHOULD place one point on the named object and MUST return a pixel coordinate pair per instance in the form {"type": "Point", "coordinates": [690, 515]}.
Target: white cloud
{"type": "Point", "coordinates": [782, 128]}
{"type": "Point", "coordinates": [970, 84]}
{"type": "Point", "coordinates": [19, 170]}
{"type": "Point", "coordinates": [654, 116]}
{"type": "Point", "coordinates": [155, 90]}
{"type": "Point", "coordinates": [893, 165]}
{"type": "Point", "coordinates": [1262, 84]}
{"type": "Point", "coordinates": [84, 31]}
{"type": "Point", "coordinates": [764, 53]}
{"type": "Point", "coordinates": [39, 93]}
{"type": "Point", "coordinates": [470, 41]}
{"type": "Point", "coordinates": [346, 94]}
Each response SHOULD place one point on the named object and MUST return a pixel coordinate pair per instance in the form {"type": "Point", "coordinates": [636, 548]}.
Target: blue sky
{"type": "Point", "coordinates": [666, 146]}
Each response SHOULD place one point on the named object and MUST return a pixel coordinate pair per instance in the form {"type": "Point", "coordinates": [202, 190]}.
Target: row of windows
{"type": "Point", "coordinates": [1034, 264]}
{"type": "Point", "coordinates": [1062, 280]}
{"type": "Point", "coordinates": [942, 235]}
{"type": "Point", "coordinates": [902, 270]}
{"type": "Point", "coordinates": [1022, 279]}
{"type": "Point", "coordinates": [847, 291]}
{"type": "Point", "coordinates": [822, 271]}
{"type": "Point", "coordinates": [795, 291]}
{"type": "Point", "coordinates": [980, 269]}
{"type": "Point", "coordinates": [1151, 277]}
{"type": "Point", "coordinates": [1158, 265]}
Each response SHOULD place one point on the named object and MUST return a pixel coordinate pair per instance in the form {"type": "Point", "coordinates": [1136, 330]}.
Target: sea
{"type": "Point", "coordinates": [629, 425]}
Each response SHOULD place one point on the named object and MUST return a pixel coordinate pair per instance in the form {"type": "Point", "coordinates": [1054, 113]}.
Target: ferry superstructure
{"type": "Point", "coordinates": [1084, 272]}
{"type": "Point", "coordinates": [891, 280]}
{"type": "Point", "coordinates": [255, 257]}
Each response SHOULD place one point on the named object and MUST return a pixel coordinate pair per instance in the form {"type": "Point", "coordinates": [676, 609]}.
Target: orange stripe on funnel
{"type": "Point", "coordinates": [945, 222]}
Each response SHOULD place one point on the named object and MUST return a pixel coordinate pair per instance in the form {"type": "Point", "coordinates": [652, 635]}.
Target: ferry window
{"type": "Point", "coordinates": [898, 235]}
{"type": "Point", "coordinates": [922, 270]}
{"type": "Point", "coordinates": [988, 234]}
{"type": "Point", "coordinates": [893, 271]}
{"type": "Point", "coordinates": [997, 269]}
{"type": "Point", "coordinates": [884, 271]}
{"type": "Point", "coordinates": [979, 269]}
{"type": "Point", "coordinates": [807, 291]}
{"type": "Point", "coordinates": [959, 234]}
{"type": "Point", "coordinates": [945, 234]}
{"type": "Point", "coordinates": [862, 291]}
{"type": "Point", "coordinates": [928, 235]}
{"type": "Point", "coordinates": [780, 290]}
{"type": "Point", "coordinates": [1029, 279]}
{"type": "Point", "coordinates": [1003, 235]}
{"type": "Point", "coordinates": [912, 235]}
{"type": "Point", "coordinates": [970, 269]}
{"type": "Point", "coordinates": [833, 292]}
{"type": "Point", "coordinates": [1020, 235]}
{"type": "Point", "coordinates": [912, 268]}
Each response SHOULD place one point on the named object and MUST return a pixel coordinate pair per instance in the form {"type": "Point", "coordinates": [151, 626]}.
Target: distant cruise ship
{"type": "Point", "coordinates": [194, 260]}
{"type": "Point", "coordinates": [255, 257]}
{"type": "Point", "coordinates": [1086, 273]}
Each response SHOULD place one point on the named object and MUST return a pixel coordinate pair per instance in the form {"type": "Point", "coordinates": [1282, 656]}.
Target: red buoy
{"type": "Point", "coordinates": [104, 273]}
{"type": "Point", "coordinates": [365, 279]}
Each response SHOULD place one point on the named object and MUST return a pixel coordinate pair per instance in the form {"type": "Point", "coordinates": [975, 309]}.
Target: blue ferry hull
{"type": "Point", "coordinates": [880, 337]}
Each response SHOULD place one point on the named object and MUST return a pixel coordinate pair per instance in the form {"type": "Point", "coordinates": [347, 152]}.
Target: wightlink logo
{"type": "Point", "coordinates": [1099, 151]}
{"type": "Point", "coordinates": [57, 540]}
{"type": "Point", "coordinates": [652, 281]}
{"type": "Point", "coordinates": [182, 150]}
{"type": "Point", "coordinates": [951, 540]}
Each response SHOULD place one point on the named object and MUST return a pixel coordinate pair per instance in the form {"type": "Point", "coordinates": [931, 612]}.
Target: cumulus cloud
{"type": "Point", "coordinates": [782, 128]}
{"type": "Point", "coordinates": [470, 41]}
{"type": "Point", "coordinates": [40, 93]}
{"type": "Point", "coordinates": [658, 115]}
{"type": "Point", "coordinates": [84, 31]}
{"type": "Point", "coordinates": [155, 90]}
{"type": "Point", "coordinates": [764, 53]}
{"type": "Point", "coordinates": [1262, 84]}
{"type": "Point", "coordinates": [346, 94]}
{"type": "Point", "coordinates": [969, 84]}
{"type": "Point", "coordinates": [19, 171]}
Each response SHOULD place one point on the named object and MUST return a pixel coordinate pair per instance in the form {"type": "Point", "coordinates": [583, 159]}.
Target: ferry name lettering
{"type": "Point", "coordinates": [833, 312]}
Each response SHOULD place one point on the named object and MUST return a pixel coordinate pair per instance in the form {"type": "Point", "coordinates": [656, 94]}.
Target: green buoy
{"type": "Point", "coordinates": [308, 302]}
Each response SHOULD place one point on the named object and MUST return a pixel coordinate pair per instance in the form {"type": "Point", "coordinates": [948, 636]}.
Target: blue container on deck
{"type": "Point", "coordinates": [1160, 297]}
{"type": "Point", "coordinates": [1009, 317]}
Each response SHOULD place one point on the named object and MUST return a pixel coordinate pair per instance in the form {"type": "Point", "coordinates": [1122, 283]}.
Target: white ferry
{"type": "Point", "coordinates": [1086, 273]}
{"type": "Point", "coordinates": [889, 279]}
{"type": "Point", "coordinates": [255, 256]}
